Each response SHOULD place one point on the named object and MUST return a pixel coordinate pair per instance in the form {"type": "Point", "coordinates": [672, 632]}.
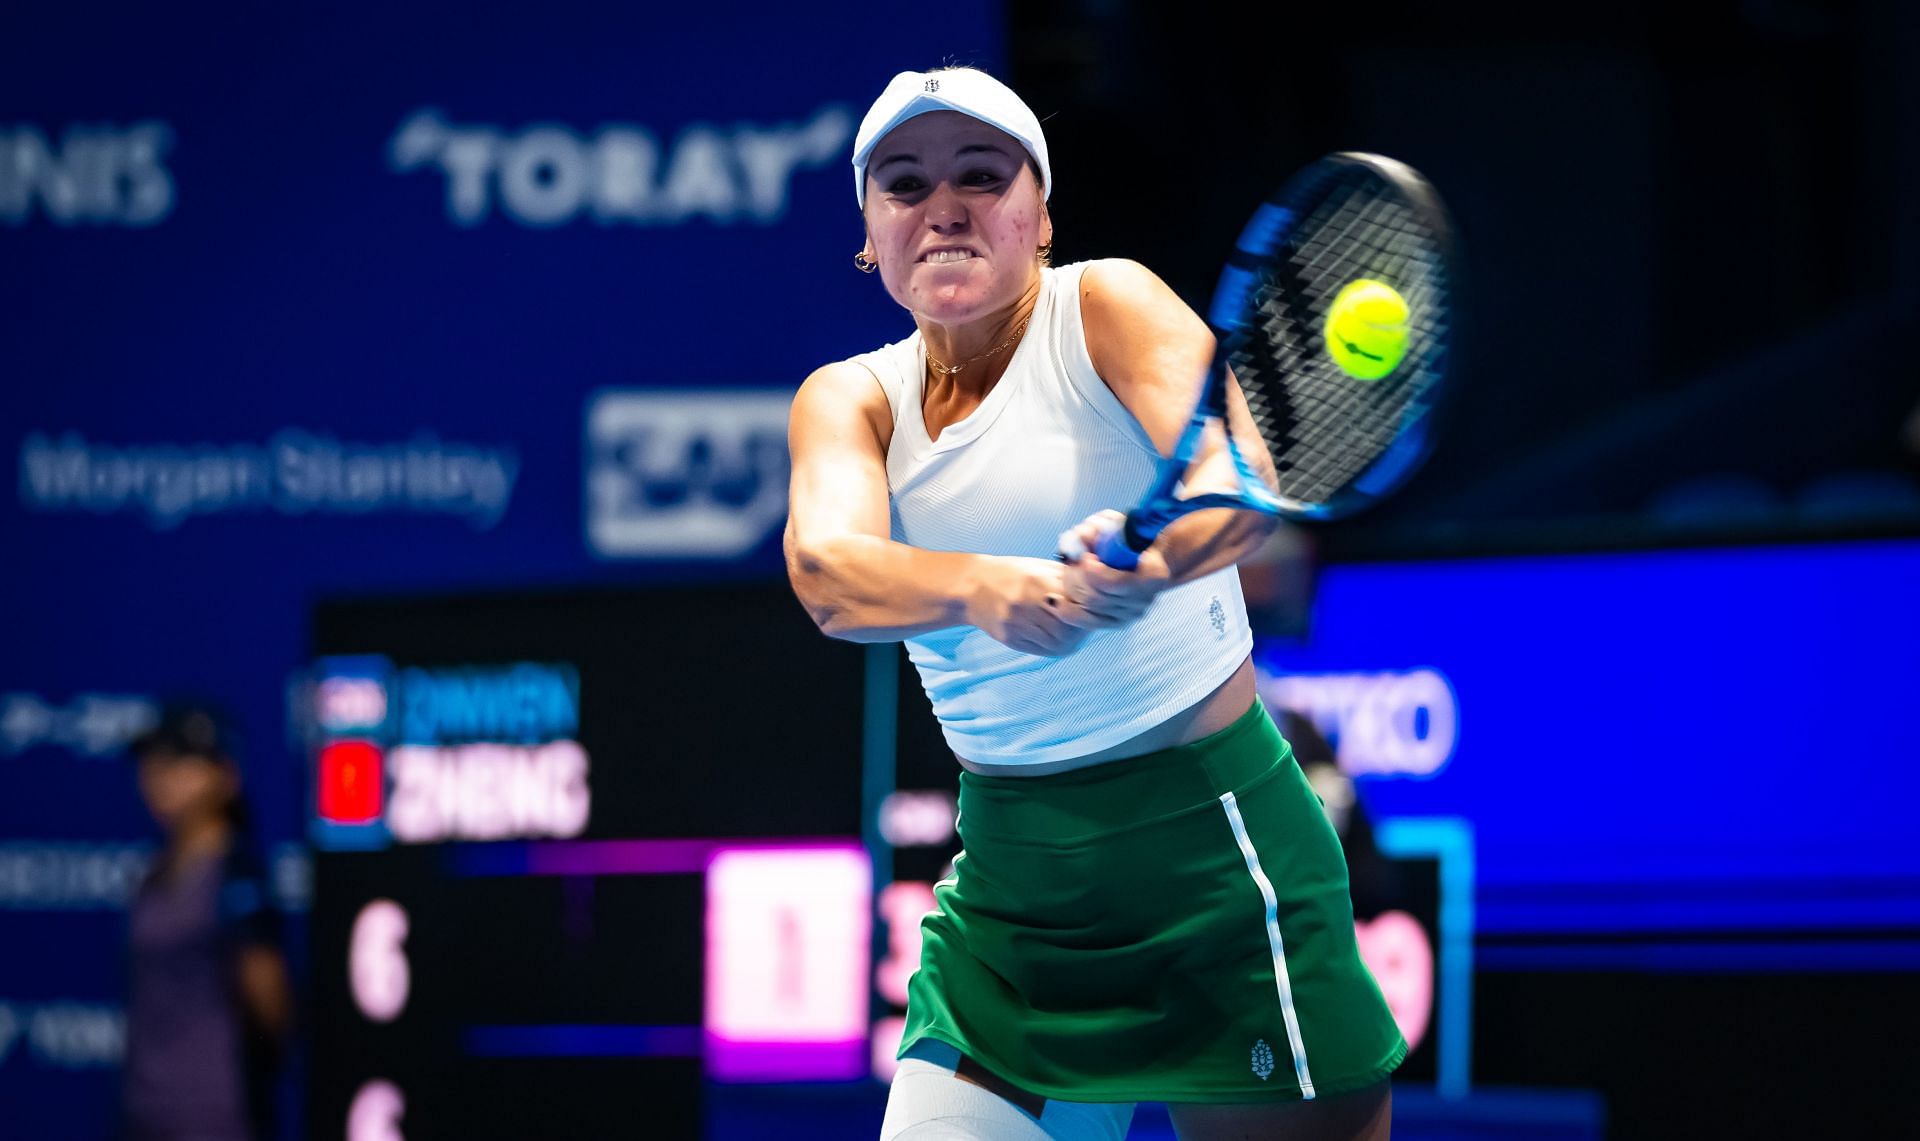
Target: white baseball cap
{"type": "Point", "coordinates": [963, 89]}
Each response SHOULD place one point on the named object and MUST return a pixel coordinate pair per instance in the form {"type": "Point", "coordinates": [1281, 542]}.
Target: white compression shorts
{"type": "Point", "coordinates": [927, 1102]}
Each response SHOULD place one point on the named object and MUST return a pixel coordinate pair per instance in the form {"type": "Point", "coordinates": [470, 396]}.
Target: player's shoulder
{"type": "Point", "coordinates": [841, 378]}
{"type": "Point", "coordinates": [1123, 299]}
{"type": "Point", "coordinates": [1121, 290]}
{"type": "Point", "coordinates": [839, 394]}
{"type": "Point", "coordinates": [841, 384]}
{"type": "Point", "coordinates": [1115, 275]}
{"type": "Point", "coordinates": [1117, 281]}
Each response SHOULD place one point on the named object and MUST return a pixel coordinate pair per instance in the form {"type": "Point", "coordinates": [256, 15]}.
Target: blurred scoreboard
{"type": "Point", "coordinates": [577, 854]}
{"type": "Point", "coordinates": [580, 857]}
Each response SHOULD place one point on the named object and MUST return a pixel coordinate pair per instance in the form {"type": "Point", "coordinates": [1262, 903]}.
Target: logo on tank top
{"type": "Point", "coordinates": [1262, 1059]}
{"type": "Point", "coordinates": [1217, 618]}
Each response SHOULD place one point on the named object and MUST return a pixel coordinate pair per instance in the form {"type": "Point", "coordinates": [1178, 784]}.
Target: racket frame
{"type": "Point", "coordinates": [1266, 231]}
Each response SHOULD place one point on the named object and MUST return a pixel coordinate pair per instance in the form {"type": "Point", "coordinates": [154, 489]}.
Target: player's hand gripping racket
{"type": "Point", "coordinates": [1337, 314]}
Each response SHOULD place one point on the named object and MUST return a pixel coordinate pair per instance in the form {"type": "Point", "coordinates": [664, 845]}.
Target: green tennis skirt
{"type": "Point", "coordinates": [1171, 927]}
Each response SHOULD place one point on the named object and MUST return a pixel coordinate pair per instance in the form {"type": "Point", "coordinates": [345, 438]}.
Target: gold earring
{"type": "Point", "coordinates": [864, 263]}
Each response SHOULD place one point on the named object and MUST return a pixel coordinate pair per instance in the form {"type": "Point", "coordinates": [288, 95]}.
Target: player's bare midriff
{"type": "Point", "coordinates": [1203, 718]}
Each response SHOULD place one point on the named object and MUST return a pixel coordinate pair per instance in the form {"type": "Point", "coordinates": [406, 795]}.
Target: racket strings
{"type": "Point", "coordinates": [1323, 427]}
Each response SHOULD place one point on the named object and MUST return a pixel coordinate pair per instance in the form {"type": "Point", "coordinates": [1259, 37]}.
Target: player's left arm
{"type": "Point", "coordinates": [261, 982]}
{"type": "Point", "coordinates": [1153, 350]}
{"type": "Point", "coordinates": [265, 991]}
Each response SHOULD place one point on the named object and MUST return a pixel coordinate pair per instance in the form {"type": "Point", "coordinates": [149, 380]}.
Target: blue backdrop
{"type": "Point", "coordinates": [1706, 744]}
{"type": "Point", "coordinates": [376, 299]}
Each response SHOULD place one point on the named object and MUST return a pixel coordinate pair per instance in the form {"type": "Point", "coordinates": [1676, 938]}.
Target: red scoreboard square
{"type": "Point", "coordinates": [350, 782]}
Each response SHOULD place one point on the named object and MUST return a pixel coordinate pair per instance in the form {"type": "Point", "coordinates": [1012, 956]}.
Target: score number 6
{"type": "Point", "coordinates": [377, 966]}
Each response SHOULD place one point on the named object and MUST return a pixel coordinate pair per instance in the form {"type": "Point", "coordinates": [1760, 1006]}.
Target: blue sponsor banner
{"type": "Point", "coordinates": [385, 300]}
{"type": "Point", "coordinates": [1711, 742]}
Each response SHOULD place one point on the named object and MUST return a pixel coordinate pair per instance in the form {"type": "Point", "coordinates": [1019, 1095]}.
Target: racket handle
{"type": "Point", "coordinates": [1112, 548]}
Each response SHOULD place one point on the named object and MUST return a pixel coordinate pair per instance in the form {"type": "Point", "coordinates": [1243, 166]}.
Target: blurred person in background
{"type": "Point", "coordinates": [209, 1007]}
{"type": "Point", "coordinates": [1374, 885]}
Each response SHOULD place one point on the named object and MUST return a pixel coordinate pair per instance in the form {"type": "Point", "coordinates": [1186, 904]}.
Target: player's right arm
{"type": "Point", "coordinates": [860, 585]}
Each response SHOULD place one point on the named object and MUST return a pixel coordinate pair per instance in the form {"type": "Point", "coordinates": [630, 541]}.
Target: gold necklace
{"type": "Point", "coordinates": [950, 369]}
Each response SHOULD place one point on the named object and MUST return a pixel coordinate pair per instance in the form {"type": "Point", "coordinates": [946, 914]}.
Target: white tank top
{"type": "Point", "coordinates": [1049, 446]}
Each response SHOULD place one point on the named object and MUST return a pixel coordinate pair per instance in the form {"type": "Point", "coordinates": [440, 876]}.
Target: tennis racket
{"type": "Point", "coordinates": [1338, 442]}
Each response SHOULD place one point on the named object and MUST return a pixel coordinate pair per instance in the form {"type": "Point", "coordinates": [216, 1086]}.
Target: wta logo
{"type": "Point", "coordinates": [549, 175]}
{"type": "Point", "coordinates": [1380, 724]}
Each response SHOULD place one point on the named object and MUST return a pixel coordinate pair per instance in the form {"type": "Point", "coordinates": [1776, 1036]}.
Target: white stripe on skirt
{"type": "Point", "coordinates": [1280, 979]}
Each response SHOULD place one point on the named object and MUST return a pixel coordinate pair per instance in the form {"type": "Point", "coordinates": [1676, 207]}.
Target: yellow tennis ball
{"type": "Point", "coordinates": [1367, 329]}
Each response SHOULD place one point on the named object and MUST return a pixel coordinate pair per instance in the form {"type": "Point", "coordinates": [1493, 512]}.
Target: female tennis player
{"type": "Point", "coordinates": [1150, 905]}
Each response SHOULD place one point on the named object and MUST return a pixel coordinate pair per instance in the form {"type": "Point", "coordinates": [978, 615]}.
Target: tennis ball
{"type": "Point", "coordinates": [1367, 329]}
